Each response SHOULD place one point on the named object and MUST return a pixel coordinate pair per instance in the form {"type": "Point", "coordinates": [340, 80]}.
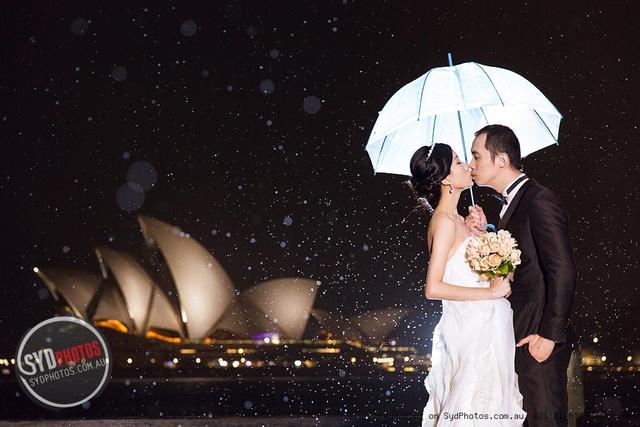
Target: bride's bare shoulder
{"type": "Point", "coordinates": [440, 223]}
{"type": "Point", "coordinates": [441, 219]}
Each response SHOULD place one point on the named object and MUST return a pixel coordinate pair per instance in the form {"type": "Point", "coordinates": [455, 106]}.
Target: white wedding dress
{"type": "Point", "coordinates": [472, 381]}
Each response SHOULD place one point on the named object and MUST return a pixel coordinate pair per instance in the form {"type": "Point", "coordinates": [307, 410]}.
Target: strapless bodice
{"type": "Point", "coordinates": [458, 272]}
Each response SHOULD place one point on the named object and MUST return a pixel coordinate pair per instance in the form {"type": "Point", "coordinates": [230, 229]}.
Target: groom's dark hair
{"type": "Point", "coordinates": [501, 139]}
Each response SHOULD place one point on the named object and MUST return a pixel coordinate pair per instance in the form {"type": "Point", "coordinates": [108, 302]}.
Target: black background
{"type": "Point", "coordinates": [65, 125]}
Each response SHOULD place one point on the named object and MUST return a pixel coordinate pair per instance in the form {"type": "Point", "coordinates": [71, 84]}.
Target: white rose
{"type": "Point", "coordinates": [515, 257]}
{"type": "Point", "coordinates": [494, 260]}
{"type": "Point", "coordinates": [505, 249]}
{"type": "Point", "coordinates": [484, 249]}
{"type": "Point", "coordinates": [472, 252]}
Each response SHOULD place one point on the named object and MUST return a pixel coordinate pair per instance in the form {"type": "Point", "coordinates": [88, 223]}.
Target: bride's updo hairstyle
{"type": "Point", "coordinates": [429, 166]}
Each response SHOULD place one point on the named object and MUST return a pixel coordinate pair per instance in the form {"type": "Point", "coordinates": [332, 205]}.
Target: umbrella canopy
{"type": "Point", "coordinates": [449, 104]}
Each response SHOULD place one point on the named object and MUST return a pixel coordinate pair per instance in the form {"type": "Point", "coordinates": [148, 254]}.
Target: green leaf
{"type": "Point", "coordinates": [504, 269]}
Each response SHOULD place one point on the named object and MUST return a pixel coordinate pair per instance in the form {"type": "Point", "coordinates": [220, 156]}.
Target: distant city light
{"type": "Point", "coordinates": [629, 358]}
{"type": "Point", "coordinates": [267, 337]}
{"type": "Point", "coordinates": [595, 339]}
{"type": "Point", "coordinates": [603, 358]}
{"type": "Point", "coordinates": [129, 360]}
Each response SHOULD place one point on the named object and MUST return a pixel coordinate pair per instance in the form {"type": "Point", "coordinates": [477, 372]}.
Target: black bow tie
{"type": "Point", "coordinates": [502, 198]}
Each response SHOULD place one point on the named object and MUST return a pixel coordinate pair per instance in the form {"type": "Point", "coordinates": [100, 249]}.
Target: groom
{"type": "Point", "coordinates": [543, 284]}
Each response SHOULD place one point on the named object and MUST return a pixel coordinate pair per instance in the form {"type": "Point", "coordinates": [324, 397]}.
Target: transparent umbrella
{"type": "Point", "coordinates": [449, 104]}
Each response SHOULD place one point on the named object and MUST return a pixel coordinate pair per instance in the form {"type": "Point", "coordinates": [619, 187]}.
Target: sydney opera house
{"type": "Point", "coordinates": [177, 309]}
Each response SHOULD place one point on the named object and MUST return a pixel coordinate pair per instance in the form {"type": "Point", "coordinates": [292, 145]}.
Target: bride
{"type": "Point", "coordinates": [472, 379]}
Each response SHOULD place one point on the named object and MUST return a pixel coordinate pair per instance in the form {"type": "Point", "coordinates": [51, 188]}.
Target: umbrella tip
{"type": "Point", "coordinates": [450, 59]}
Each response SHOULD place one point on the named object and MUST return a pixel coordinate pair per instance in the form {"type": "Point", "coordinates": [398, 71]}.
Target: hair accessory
{"type": "Point", "coordinates": [424, 202]}
{"type": "Point", "coordinates": [430, 150]}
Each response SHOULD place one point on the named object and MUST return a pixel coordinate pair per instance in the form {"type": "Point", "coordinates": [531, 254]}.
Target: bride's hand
{"type": "Point", "coordinates": [475, 220]}
{"type": "Point", "coordinates": [500, 287]}
{"type": "Point", "coordinates": [510, 277]}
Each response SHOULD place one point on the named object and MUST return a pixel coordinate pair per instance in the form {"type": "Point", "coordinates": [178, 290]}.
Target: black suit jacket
{"type": "Point", "coordinates": [544, 283]}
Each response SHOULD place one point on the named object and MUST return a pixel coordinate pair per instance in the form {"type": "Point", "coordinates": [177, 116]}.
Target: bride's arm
{"type": "Point", "coordinates": [435, 288]}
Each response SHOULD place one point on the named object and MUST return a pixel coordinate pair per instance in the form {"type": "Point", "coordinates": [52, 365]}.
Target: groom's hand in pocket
{"type": "Point", "coordinates": [540, 348]}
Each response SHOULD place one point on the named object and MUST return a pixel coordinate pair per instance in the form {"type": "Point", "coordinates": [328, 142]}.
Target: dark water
{"type": "Point", "coordinates": [612, 399]}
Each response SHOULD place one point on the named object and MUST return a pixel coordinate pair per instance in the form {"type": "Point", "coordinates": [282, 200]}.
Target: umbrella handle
{"type": "Point", "coordinates": [450, 58]}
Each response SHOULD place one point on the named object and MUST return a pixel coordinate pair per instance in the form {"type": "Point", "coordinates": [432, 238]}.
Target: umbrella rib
{"type": "Point", "coordinates": [422, 92]}
{"type": "Point", "coordinates": [490, 81]}
{"type": "Point", "coordinates": [433, 131]}
{"type": "Point", "coordinates": [546, 127]}
{"type": "Point", "coordinates": [464, 147]}
{"type": "Point", "coordinates": [380, 153]}
{"type": "Point", "coordinates": [484, 115]}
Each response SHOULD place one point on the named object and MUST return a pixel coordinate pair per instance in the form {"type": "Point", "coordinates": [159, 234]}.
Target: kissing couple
{"type": "Point", "coordinates": [502, 346]}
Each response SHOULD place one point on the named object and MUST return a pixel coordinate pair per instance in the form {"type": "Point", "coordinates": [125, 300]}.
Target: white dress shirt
{"type": "Point", "coordinates": [512, 194]}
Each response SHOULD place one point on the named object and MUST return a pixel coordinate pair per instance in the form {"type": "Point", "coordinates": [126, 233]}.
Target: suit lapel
{"type": "Point", "coordinates": [514, 203]}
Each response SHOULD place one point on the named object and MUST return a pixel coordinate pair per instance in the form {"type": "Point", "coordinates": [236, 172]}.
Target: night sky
{"type": "Point", "coordinates": [254, 117]}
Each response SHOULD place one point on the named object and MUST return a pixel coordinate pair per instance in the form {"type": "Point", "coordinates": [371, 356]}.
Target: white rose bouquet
{"type": "Point", "coordinates": [493, 254]}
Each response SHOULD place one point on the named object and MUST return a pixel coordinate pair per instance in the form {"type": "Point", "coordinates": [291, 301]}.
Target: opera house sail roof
{"type": "Point", "coordinates": [199, 297]}
{"type": "Point", "coordinates": [204, 288]}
